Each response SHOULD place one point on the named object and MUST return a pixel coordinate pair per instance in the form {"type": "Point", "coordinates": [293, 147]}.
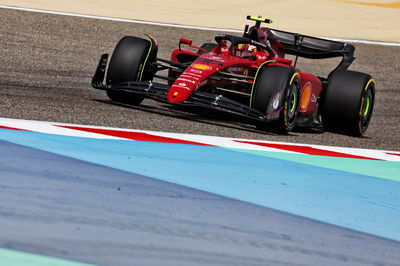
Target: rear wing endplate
{"type": "Point", "coordinates": [314, 48]}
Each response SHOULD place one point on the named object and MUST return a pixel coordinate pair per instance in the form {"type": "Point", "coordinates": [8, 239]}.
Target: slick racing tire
{"type": "Point", "coordinates": [349, 102]}
{"type": "Point", "coordinates": [275, 93]}
{"type": "Point", "coordinates": [207, 46]}
{"type": "Point", "coordinates": [129, 62]}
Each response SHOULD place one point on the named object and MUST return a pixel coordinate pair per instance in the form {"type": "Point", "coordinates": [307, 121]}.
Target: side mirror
{"type": "Point", "coordinates": [185, 41]}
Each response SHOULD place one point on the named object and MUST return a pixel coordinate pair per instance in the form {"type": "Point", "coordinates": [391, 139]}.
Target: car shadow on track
{"type": "Point", "coordinates": [195, 115]}
{"type": "Point", "coordinates": [308, 130]}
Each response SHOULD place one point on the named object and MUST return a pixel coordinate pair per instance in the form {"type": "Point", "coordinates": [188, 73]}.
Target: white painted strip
{"type": "Point", "coordinates": [52, 128]}
{"type": "Point", "coordinates": [376, 154]}
{"type": "Point", "coordinates": [48, 128]}
{"type": "Point", "coordinates": [209, 140]}
{"type": "Point", "coordinates": [363, 41]}
{"type": "Point", "coordinates": [177, 25]}
{"type": "Point", "coordinates": [217, 141]}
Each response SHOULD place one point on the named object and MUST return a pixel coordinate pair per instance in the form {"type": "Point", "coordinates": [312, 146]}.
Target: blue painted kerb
{"type": "Point", "coordinates": [346, 199]}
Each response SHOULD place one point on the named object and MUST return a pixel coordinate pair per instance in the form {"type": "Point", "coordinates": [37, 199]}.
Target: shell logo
{"type": "Point", "coordinates": [202, 67]}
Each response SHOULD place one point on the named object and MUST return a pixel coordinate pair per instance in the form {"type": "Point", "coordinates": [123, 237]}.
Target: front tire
{"type": "Point", "coordinates": [276, 93]}
{"type": "Point", "coordinates": [349, 102]}
{"type": "Point", "coordinates": [129, 62]}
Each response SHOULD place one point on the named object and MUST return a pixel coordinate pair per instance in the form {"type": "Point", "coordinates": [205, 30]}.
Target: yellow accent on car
{"type": "Point", "coordinates": [139, 72]}
{"type": "Point", "coordinates": [368, 83]}
{"type": "Point", "coordinates": [260, 19]}
{"type": "Point", "coordinates": [360, 126]}
{"type": "Point", "coordinates": [255, 77]}
{"type": "Point", "coordinates": [202, 67]}
{"type": "Point", "coordinates": [294, 75]}
{"type": "Point", "coordinates": [362, 99]}
{"type": "Point", "coordinates": [147, 57]}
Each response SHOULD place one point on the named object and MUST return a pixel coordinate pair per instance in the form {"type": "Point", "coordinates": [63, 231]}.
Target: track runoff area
{"type": "Point", "coordinates": [179, 26]}
{"type": "Point", "coordinates": [351, 188]}
{"type": "Point", "coordinates": [313, 181]}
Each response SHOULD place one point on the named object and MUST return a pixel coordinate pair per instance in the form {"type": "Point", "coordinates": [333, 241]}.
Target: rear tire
{"type": "Point", "coordinates": [349, 102]}
{"type": "Point", "coordinates": [129, 63]}
{"type": "Point", "coordinates": [269, 81]}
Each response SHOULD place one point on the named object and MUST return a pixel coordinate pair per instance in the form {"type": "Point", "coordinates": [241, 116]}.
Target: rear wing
{"type": "Point", "coordinates": [315, 48]}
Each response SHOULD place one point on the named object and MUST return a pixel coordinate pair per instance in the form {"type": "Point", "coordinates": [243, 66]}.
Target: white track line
{"type": "Point", "coordinates": [177, 25]}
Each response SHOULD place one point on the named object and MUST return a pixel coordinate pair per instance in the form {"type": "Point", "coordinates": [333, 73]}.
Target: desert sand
{"type": "Point", "coordinates": [365, 20]}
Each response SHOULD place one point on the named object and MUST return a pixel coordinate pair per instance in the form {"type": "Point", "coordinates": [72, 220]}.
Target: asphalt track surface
{"type": "Point", "coordinates": [82, 214]}
{"type": "Point", "coordinates": [48, 61]}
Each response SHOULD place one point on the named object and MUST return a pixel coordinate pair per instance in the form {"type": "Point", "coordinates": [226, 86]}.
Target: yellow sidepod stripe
{"type": "Point", "coordinates": [147, 57]}
{"type": "Point", "coordinates": [255, 77]}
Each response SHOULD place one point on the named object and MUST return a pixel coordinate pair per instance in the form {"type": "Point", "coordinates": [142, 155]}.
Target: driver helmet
{"type": "Point", "coordinates": [244, 50]}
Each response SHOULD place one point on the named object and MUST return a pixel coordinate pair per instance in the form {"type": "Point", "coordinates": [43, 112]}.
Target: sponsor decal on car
{"type": "Point", "coordinates": [187, 80]}
{"type": "Point", "coordinates": [261, 57]}
{"type": "Point", "coordinates": [202, 67]}
{"type": "Point", "coordinates": [210, 61]}
{"type": "Point", "coordinates": [212, 57]}
{"type": "Point", "coordinates": [235, 69]}
{"type": "Point", "coordinates": [314, 98]}
{"type": "Point", "coordinates": [190, 76]}
{"type": "Point", "coordinates": [192, 70]}
{"type": "Point", "coordinates": [182, 85]}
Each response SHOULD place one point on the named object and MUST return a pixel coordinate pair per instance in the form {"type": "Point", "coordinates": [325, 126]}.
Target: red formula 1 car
{"type": "Point", "coordinates": [247, 76]}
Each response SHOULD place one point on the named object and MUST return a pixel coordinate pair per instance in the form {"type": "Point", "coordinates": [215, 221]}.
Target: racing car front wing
{"type": "Point", "coordinates": [157, 91]}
